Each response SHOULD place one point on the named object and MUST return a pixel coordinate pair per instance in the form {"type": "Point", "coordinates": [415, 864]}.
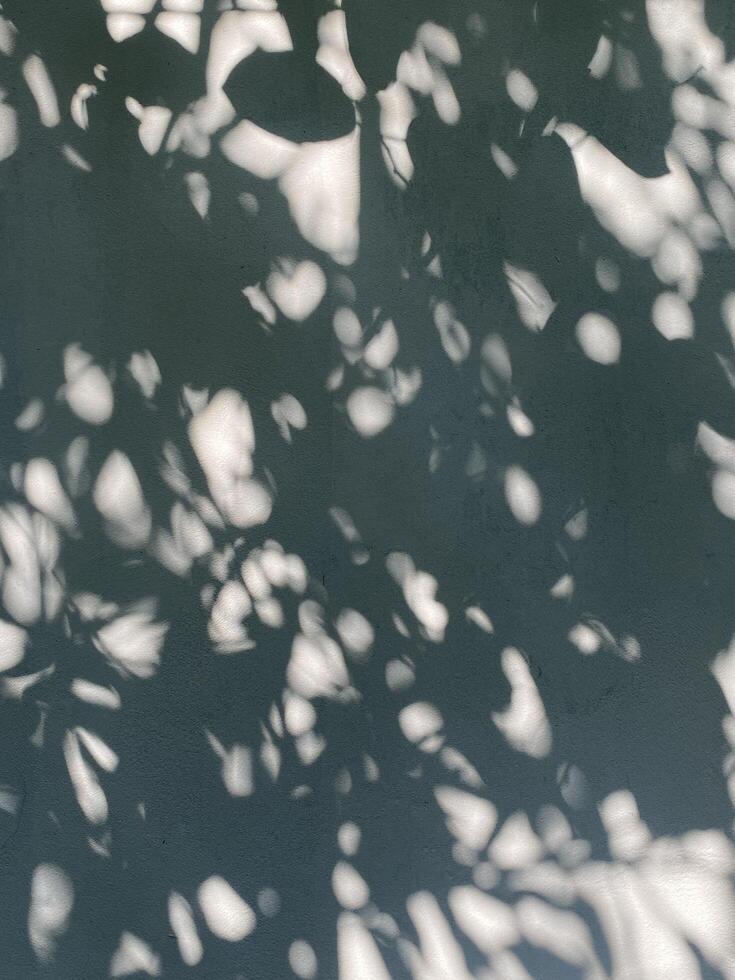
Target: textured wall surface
{"type": "Point", "coordinates": [367, 487]}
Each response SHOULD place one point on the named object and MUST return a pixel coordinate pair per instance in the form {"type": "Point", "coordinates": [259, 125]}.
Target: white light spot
{"type": "Point", "coordinates": [521, 89]}
{"type": "Point", "coordinates": [419, 721]}
{"type": "Point", "coordinates": [488, 922]}
{"type": "Point", "coordinates": [181, 919]}
{"type": "Point", "coordinates": [88, 390]}
{"type": "Point", "coordinates": [52, 900]}
{"type": "Point", "coordinates": [349, 887]}
{"type": "Point", "coordinates": [302, 960]}
{"type": "Point", "coordinates": [118, 496]}
{"type": "Point", "coordinates": [225, 912]}
{"type": "Point", "coordinates": [599, 338]}
{"type": "Point", "coordinates": [524, 723]}
{"type": "Point", "coordinates": [672, 316]}
{"type": "Point", "coordinates": [522, 496]}
{"type": "Point", "coordinates": [134, 955]}
{"type": "Point", "coordinates": [585, 639]}
{"type": "Point", "coordinates": [382, 348]}
{"type": "Point", "coordinates": [470, 818]}
{"type": "Point", "coordinates": [723, 492]}
{"type": "Point", "coordinates": [516, 845]}
{"type": "Point", "coordinates": [355, 632]}
{"type": "Point", "coordinates": [13, 642]}
{"type": "Point", "coordinates": [348, 837]}
{"type": "Point", "coordinates": [297, 288]}
{"type": "Point", "coordinates": [370, 410]}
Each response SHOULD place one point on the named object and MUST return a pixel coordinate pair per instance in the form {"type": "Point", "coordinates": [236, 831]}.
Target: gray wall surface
{"type": "Point", "coordinates": [367, 556]}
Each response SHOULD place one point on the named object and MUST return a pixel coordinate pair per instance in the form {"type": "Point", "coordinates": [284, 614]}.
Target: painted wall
{"type": "Point", "coordinates": [368, 486]}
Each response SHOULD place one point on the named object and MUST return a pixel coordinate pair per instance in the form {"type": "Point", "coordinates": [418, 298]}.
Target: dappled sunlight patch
{"type": "Point", "coordinates": [303, 960]}
{"type": "Point", "coordinates": [672, 316]}
{"type": "Point", "coordinates": [370, 410]}
{"type": "Point", "coordinates": [419, 591]}
{"type": "Point", "coordinates": [223, 438]}
{"type": "Point", "coordinates": [355, 633]}
{"type": "Point", "coordinates": [153, 122]}
{"type": "Point", "coordinates": [96, 694]}
{"type": "Point", "coordinates": [238, 33]}
{"type": "Point", "coordinates": [454, 335]}
{"type": "Point", "coordinates": [519, 422]}
{"type": "Point", "coordinates": [516, 845]}
{"type": "Point", "coordinates": [573, 786]}
{"type": "Point", "coordinates": [599, 338]}
{"type": "Point", "coordinates": [562, 933]}
{"type": "Point", "coordinates": [263, 154]}
{"type": "Point", "coordinates": [423, 69]}
{"type": "Point", "coordinates": [132, 641]}
{"type": "Point", "coordinates": [470, 819]}
{"type": "Point", "coordinates": [478, 616]}
{"type": "Point", "coordinates": [42, 89]}
{"type": "Point", "coordinates": [489, 923]}
{"type": "Point", "coordinates": [180, 25]}
{"type": "Point", "coordinates": [628, 837]}
{"type": "Point", "coordinates": [189, 539]}
{"type": "Point", "coordinates": [524, 723]}
{"type": "Point", "coordinates": [145, 371]}
{"type": "Point", "coordinates": [226, 628]}
{"type": "Point", "coordinates": [358, 954]}
{"type": "Point", "coordinates": [607, 274]}
{"type": "Point", "coordinates": [640, 212]}
{"type": "Point", "coordinates": [297, 288]}
{"type": "Point", "coordinates": [563, 588]}
{"type": "Point", "coordinates": [181, 920]}
{"type": "Point", "coordinates": [533, 302]}
{"type": "Point", "coordinates": [686, 44]}
{"type": "Point", "coordinates": [322, 187]}
{"type": "Point", "coordinates": [334, 55]}
{"type": "Point", "coordinates": [349, 887]}
{"type": "Point", "coordinates": [399, 676]}
{"type": "Point", "coordinates": [43, 491]}
{"type": "Point", "coordinates": [90, 795]}
{"type": "Point", "coordinates": [100, 751]}
{"type": "Point", "coordinates": [118, 496]}
{"type": "Point", "coordinates": [79, 110]}
{"type": "Point", "coordinates": [288, 413]}
{"type": "Point", "coordinates": [438, 950]}
{"type": "Point", "coordinates": [584, 638]}
{"type": "Point", "coordinates": [134, 955]}
{"type": "Point", "coordinates": [521, 89]}
{"type": "Point", "coordinates": [21, 539]}
{"type": "Point", "coordinates": [299, 715]}
{"type": "Point", "coordinates": [420, 721]}
{"type": "Point", "coordinates": [317, 666]}
{"type": "Point", "coordinates": [260, 303]}
{"type": "Point", "coordinates": [723, 492]}
{"type": "Point", "coordinates": [382, 347]}
{"type": "Point", "coordinates": [13, 642]}
{"type": "Point", "coordinates": [397, 111]}
{"type": "Point", "coordinates": [8, 128]}
{"type": "Point", "coordinates": [237, 766]}
{"type": "Point", "coordinates": [227, 915]}
{"type": "Point", "coordinates": [349, 836]}
{"type": "Point", "coordinates": [197, 186]}
{"type": "Point", "coordinates": [31, 416]}
{"type": "Point", "coordinates": [522, 496]}
{"type": "Point", "coordinates": [677, 262]}
{"type": "Point", "coordinates": [87, 391]}
{"type": "Point", "coordinates": [51, 904]}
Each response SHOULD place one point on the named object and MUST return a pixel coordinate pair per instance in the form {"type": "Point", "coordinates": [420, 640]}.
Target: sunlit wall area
{"type": "Point", "coordinates": [367, 489]}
